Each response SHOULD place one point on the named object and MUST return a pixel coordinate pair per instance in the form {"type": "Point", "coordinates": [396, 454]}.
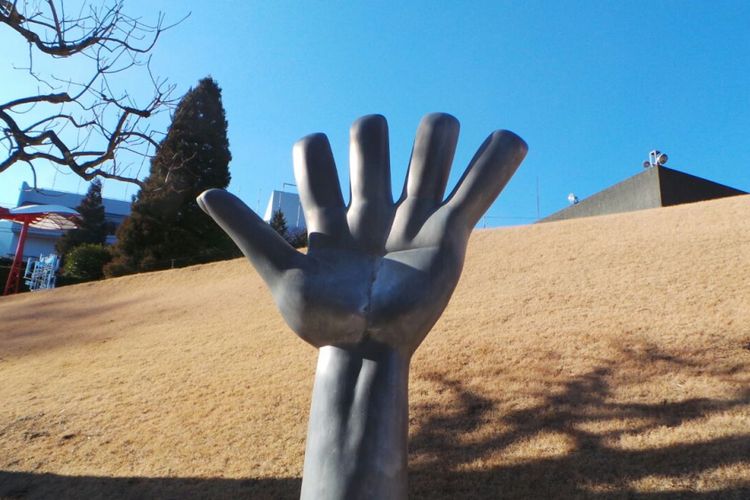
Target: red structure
{"type": "Point", "coordinates": [53, 217]}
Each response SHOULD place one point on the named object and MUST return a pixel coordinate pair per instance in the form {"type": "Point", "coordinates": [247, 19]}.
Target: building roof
{"type": "Point", "coordinates": [31, 196]}
{"type": "Point", "coordinates": [51, 217]}
{"type": "Point", "coordinates": [655, 187]}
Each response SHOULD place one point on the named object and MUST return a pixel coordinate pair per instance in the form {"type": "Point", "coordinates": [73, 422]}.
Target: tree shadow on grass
{"type": "Point", "coordinates": [25, 485]}
{"type": "Point", "coordinates": [446, 467]}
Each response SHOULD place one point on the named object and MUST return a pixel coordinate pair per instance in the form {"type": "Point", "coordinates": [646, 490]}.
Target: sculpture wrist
{"type": "Point", "coordinates": [360, 413]}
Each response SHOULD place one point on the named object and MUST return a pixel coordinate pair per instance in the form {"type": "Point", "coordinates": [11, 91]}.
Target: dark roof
{"type": "Point", "coordinates": [654, 187]}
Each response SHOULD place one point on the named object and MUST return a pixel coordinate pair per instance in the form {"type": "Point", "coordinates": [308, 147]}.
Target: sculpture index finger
{"type": "Point", "coordinates": [269, 253]}
{"type": "Point", "coordinates": [370, 210]}
{"type": "Point", "coordinates": [487, 174]}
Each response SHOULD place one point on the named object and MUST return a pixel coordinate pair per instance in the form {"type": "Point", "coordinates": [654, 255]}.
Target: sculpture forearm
{"type": "Point", "coordinates": [359, 423]}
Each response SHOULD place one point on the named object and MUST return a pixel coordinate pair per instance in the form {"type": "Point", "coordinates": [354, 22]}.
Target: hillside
{"type": "Point", "coordinates": [595, 358]}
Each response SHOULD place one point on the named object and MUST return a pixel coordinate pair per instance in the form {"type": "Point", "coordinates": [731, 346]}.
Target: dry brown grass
{"type": "Point", "coordinates": [595, 358]}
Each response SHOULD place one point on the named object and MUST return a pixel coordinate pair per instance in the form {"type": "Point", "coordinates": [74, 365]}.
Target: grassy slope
{"type": "Point", "coordinates": [596, 358]}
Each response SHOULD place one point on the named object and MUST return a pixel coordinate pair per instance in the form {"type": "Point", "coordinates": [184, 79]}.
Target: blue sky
{"type": "Point", "coordinates": [591, 86]}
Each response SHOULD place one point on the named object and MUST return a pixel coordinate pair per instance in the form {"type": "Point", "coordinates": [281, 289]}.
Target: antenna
{"type": "Point", "coordinates": [538, 212]}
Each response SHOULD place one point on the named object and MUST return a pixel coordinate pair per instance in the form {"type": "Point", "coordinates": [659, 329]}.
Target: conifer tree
{"type": "Point", "coordinates": [278, 223]}
{"type": "Point", "coordinates": [166, 227]}
{"type": "Point", "coordinates": [92, 227]}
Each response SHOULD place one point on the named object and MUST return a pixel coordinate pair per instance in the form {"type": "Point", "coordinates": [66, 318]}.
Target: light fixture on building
{"type": "Point", "coordinates": [656, 159]}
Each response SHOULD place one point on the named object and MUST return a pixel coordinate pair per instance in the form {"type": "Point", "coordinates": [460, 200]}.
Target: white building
{"type": "Point", "coordinates": [42, 242]}
{"type": "Point", "coordinates": [290, 206]}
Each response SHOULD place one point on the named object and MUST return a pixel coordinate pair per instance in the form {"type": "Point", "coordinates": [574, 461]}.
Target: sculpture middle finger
{"type": "Point", "coordinates": [371, 208]}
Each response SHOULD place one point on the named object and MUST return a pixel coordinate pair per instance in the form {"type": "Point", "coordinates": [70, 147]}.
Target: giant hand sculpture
{"type": "Point", "coordinates": [377, 276]}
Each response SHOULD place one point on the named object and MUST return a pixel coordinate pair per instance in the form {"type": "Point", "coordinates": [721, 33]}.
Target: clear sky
{"type": "Point", "coordinates": [591, 86]}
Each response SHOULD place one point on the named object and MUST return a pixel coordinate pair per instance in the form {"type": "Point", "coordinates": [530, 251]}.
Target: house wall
{"type": "Point", "coordinates": [6, 238]}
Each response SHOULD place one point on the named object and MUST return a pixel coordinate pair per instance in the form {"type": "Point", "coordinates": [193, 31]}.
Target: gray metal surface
{"type": "Point", "coordinates": [377, 275]}
{"type": "Point", "coordinates": [635, 193]}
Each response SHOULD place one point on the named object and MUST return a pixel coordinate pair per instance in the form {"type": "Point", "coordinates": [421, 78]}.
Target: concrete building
{"type": "Point", "coordinates": [42, 242]}
{"type": "Point", "coordinates": [655, 187]}
{"type": "Point", "coordinates": [290, 206]}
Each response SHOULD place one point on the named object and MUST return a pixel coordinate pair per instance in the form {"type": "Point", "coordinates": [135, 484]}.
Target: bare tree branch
{"type": "Point", "coordinates": [82, 124]}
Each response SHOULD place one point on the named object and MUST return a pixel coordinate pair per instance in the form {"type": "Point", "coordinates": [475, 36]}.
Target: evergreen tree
{"type": "Point", "coordinates": [92, 227]}
{"type": "Point", "coordinates": [166, 226]}
{"type": "Point", "coordinates": [297, 238]}
{"type": "Point", "coordinates": [278, 222]}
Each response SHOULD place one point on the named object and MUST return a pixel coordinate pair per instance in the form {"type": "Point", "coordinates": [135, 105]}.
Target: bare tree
{"type": "Point", "coordinates": [86, 125]}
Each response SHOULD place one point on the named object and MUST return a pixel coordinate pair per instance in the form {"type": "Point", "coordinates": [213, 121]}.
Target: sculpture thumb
{"type": "Point", "coordinates": [269, 253]}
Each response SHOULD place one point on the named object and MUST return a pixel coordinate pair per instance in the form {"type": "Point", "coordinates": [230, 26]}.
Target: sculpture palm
{"type": "Point", "coordinates": [376, 277]}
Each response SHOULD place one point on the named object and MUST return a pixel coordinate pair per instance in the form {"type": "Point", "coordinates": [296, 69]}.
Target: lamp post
{"type": "Point", "coordinates": [656, 159]}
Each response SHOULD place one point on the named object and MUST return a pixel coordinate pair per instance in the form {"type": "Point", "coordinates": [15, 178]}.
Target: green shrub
{"type": "Point", "coordinates": [86, 262]}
